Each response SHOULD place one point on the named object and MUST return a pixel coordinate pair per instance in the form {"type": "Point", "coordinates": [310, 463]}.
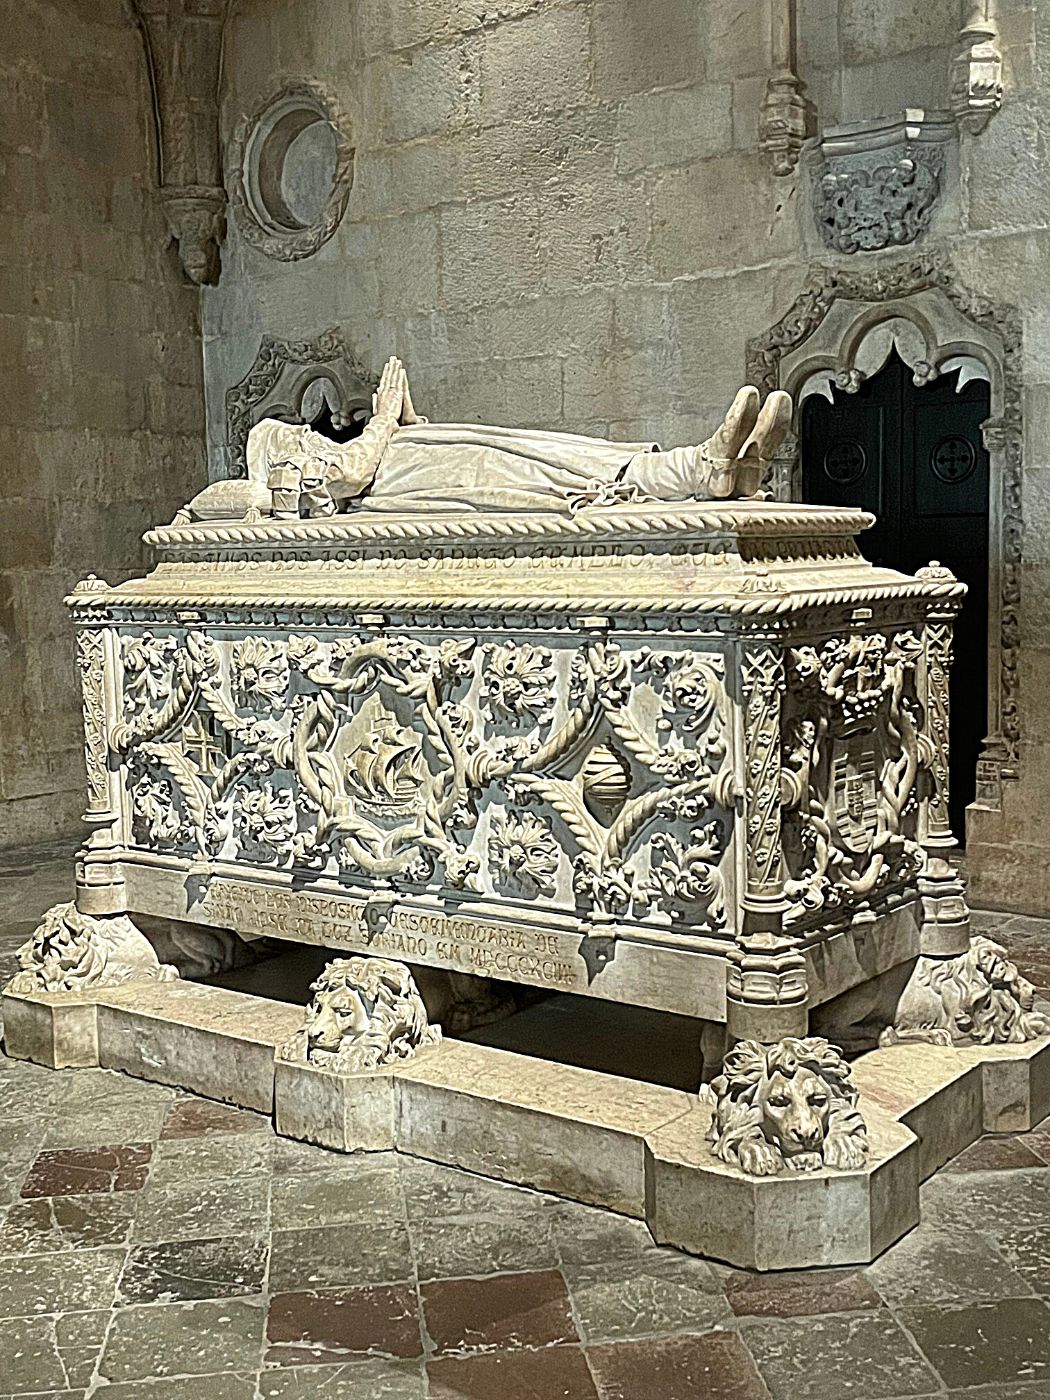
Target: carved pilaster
{"type": "Point", "coordinates": [977, 69]}
{"type": "Point", "coordinates": [945, 914]}
{"type": "Point", "coordinates": [766, 982]}
{"type": "Point", "coordinates": [183, 50]}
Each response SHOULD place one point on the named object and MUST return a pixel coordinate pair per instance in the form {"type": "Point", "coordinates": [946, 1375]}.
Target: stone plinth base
{"type": "Point", "coordinates": [635, 1148]}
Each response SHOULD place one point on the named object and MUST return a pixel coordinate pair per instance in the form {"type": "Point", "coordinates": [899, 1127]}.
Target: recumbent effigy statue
{"type": "Point", "coordinates": [539, 709]}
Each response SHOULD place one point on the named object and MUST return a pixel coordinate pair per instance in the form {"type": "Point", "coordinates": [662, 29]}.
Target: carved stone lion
{"type": "Point", "coordinates": [364, 1013]}
{"type": "Point", "coordinates": [788, 1105]}
{"type": "Point", "coordinates": [72, 952]}
{"type": "Point", "coordinates": [979, 996]}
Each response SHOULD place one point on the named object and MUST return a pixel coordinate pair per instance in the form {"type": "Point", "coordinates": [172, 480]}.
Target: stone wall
{"type": "Point", "coordinates": [561, 216]}
{"type": "Point", "coordinates": [102, 408]}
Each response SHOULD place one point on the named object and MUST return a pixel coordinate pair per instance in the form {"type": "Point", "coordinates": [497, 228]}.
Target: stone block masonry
{"type": "Point", "coordinates": [102, 411]}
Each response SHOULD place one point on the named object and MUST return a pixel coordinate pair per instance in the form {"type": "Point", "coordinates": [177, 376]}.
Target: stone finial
{"type": "Point", "coordinates": [73, 952]}
{"type": "Point", "coordinates": [363, 1013]}
{"type": "Point", "coordinates": [790, 1105]}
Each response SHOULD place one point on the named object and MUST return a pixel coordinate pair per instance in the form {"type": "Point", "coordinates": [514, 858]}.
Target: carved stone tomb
{"type": "Point", "coordinates": [690, 756]}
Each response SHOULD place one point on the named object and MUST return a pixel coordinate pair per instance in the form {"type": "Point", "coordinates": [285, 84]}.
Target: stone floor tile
{"type": "Point", "coordinates": [849, 1356]}
{"type": "Point", "coordinates": [585, 1234]}
{"type": "Point", "coordinates": [72, 1281]}
{"type": "Point", "coordinates": [192, 1118]}
{"type": "Point", "coordinates": [208, 1209]}
{"type": "Point", "coordinates": [365, 1378]}
{"type": "Point", "coordinates": [461, 1246]}
{"type": "Point", "coordinates": [801, 1293]}
{"type": "Point", "coordinates": [122, 1122]}
{"type": "Point", "coordinates": [1027, 1252]}
{"type": "Point", "coordinates": [29, 1355]}
{"type": "Point", "coordinates": [932, 1265]}
{"type": "Point", "coordinates": [986, 1343]}
{"type": "Point", "coordinates": [291, 1158]}
{"type": "Point", "coordinates": [995, 1153]}
{"type": "Point", "coordinates": [79, 1171]}
{"type": "Point", "coordinates": [48, 1223]}
{"type": "Point", "coordinates": [47, 1395]}
{"type": "Point", "coordinates": [654, 1294]}
{"type": "Point", "coordinates": [715, 1366]}
{"type": "Point", "coordinates": [338, 1256]}
{"type": "Point", "coordinates": [229, 1385]}
{"type": "Point", "coordinates": [433, 1192]}
{"type": "Point", "coordinates": [183, 1339]}
{"type": "Point", "coordinates": [501, 1313]}
{"type": "Point", "coordinates": [353, 1192]}
{"type": "Point", "coordinates": [994, 1200]}
{"type": "Point", "coordinates": [553, 1373]}
{"type": "Point", "coordinates": [190, 1159]}
{"type": "Point", "coordinates": [320, 1325]}
{"type": "Point", "coordinates": [183, 1270]}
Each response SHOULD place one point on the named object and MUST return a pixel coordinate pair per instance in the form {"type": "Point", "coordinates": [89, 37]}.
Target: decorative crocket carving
{"type": "Point", "coordinates": [978, 996]}
{"type": "Point", "coordinates": [790, 1105]}
{"type": "Point", "coordinates": [363, 1013]}
{"type": "Point", "coordinates": [72, 952]}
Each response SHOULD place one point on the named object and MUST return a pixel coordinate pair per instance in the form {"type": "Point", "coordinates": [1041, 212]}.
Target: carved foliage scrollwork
{"type": "Point", "coordinates": [375, 754]}
{"type": "Point", "coordinates": [91, 658]}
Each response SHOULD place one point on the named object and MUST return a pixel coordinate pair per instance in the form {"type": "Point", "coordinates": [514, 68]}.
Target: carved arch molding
{"type": "Point", "coordinates": [841, 328]}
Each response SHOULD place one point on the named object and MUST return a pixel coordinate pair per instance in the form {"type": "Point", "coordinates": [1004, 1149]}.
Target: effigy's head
{"type": "Point", "coordinates": [363, 1013]}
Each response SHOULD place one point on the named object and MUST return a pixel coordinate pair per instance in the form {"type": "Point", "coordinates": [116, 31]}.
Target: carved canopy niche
{"type": "Point", "coordinates": [840, 330]}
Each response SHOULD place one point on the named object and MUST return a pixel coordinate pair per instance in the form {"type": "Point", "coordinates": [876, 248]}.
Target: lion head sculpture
{"type": "Point", "coordinates": [363, 1013]}
{"type": "Point", "coordinates": [977, 996]}
{"type": "Point", "coordinates": [788, 1105]}
{"type": "Point", "coordinates": [72, 952]}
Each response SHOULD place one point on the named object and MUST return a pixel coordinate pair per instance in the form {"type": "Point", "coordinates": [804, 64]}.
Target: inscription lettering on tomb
{"type": "Point", "coordinates": [473, 945]}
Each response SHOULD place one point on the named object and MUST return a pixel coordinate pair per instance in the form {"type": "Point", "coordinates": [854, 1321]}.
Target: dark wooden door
{"type": "Point", "coordinates": [913, 455]}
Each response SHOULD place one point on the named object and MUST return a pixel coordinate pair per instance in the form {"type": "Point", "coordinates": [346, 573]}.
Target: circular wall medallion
{"type": "Point", "coordinates": [845, 461]}
{"type": "Point", "coordinates": [289, 170]}
{"type": "Point", "coordinates": [953, 459]}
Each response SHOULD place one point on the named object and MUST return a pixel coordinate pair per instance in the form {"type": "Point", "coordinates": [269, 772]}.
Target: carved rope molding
{"type": "Point", "coordinates": [897, 281]}
{"type": "Point", "coordinates": [543, 604]}
{"type": "Point", "coordinates": [368, 528]}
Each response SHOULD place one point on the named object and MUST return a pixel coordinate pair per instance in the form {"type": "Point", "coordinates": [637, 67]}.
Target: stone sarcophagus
{"type": "Point", "coordinates": [691, 757]}
{"type": "Point", "coordinates": [554, 711]}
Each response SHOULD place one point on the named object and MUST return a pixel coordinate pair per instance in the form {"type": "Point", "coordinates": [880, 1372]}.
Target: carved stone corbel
{"type": "Point", "coordinates": [977, 69]}
{"type": "Point", "coordinates": [787, 116]}
{"type": "Point", "coordinates": [183, 48]}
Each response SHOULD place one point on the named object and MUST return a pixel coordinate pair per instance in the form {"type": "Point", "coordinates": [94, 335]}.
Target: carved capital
{"type": "Point", "coordinates": [977, 69]}
{"type": "Point", "coordinates": [196, 216]}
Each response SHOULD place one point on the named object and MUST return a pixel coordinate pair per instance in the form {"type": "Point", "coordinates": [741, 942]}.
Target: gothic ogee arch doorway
{"type": "Point", "coordinates": [904, 362]}
{"type": "Point", "coordinates": [912, 454]}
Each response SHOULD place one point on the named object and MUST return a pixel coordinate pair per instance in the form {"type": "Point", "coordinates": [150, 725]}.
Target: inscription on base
{"type": "Point", "coordinates": [480, 946]}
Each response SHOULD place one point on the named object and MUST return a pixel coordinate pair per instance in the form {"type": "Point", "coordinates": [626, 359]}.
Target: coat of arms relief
{"type": "Point", "coordinates": [592, 775]}
{"type": "Point", "coordinates": [853, 761]}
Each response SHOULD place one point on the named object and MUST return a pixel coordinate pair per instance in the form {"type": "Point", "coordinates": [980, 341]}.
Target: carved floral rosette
{"type": "Point", "coordinates": [592, 774]}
